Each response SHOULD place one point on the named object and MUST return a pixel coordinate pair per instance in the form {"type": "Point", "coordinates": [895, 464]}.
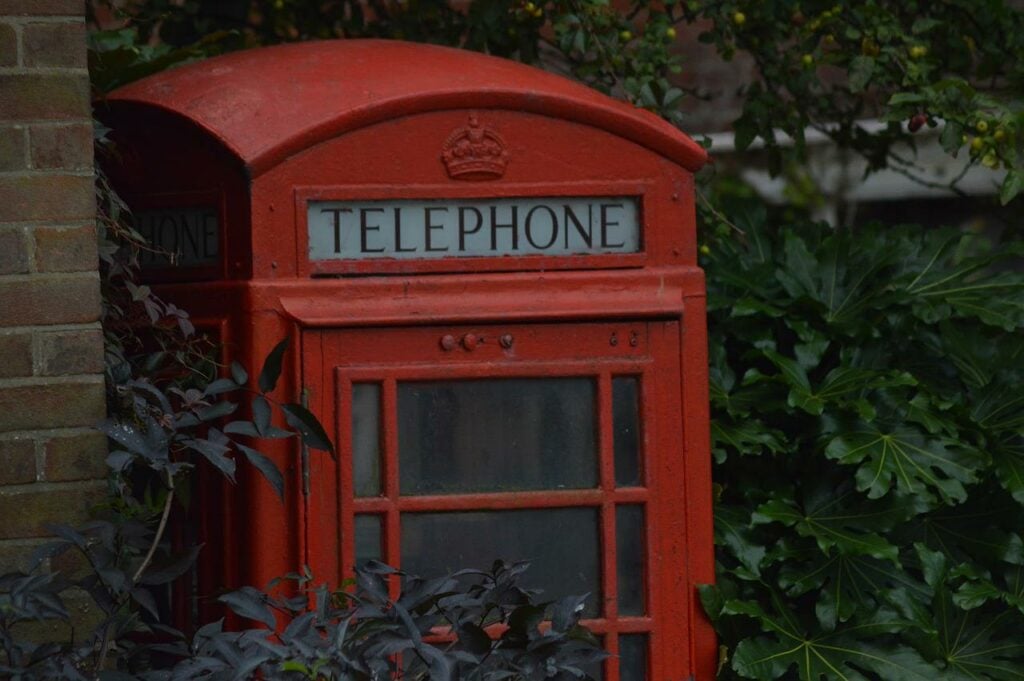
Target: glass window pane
{"type": "Point", "coordinates": [633, 657]}
{"type": "Point", "coordinates": [497, 435]}
{"type": "Point", "coordinates": [561, 545]}
{"type": "Point", "coordinates": [368, 541]}
{"type": "Point", "coordinates": [366, 439]}
{"type": "Point", "coordinates": [626, 425]}
{"type": "Point", "coordinates": [629, 556]}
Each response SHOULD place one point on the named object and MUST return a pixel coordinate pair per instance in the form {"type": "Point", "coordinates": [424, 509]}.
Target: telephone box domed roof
{"type": "Point", "coordinates": [267, 104]}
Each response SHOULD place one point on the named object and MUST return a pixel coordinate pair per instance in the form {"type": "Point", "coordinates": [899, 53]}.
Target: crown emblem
{"type": "Point", "coordinates": [475, 152]}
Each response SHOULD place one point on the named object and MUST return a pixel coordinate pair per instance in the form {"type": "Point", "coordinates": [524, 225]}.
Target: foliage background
{"type": "Point", "coordinates": [868, 417]}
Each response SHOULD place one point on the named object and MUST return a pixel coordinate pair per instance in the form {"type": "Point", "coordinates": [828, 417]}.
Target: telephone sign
{"type": "Point", "coordinates": [182, 237]}
{"type": "Point", "coordinates": [473, 227]}
{"type": "Point", "coordinates": [489, 277]}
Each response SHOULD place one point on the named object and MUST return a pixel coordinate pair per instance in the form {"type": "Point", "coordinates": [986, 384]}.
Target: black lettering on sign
{"type": "Point", "coordinates": [513, 225]}
{"type": "Point", "coordinates": [337, 224]}
{"type": "Point", "coordinates": [463, 232]}
{"type": "Point", "coordinates": [473, 227]}
{"type": "Point", "coordinates": [429, 226]}
{"type": "Point", "coordinates": [607, 223]}
{"type": "Point", "coordinates": [587, 236]}
{"type": "Point", "coordinates": [532, 225]}
{"type": "Point", "coordinates": [365, 228]}
{"type": "Point", "coordinates": [180, 237]}
{"type": "Point", "coordinates": [398, 234]}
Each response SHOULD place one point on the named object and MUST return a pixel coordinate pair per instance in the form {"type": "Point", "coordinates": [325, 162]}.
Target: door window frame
{"type": "Point", "coordinates": [656, 367]}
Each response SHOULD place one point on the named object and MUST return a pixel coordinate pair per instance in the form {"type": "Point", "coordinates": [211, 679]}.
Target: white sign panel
{"type": "Point", "coordinates": [447, 228]}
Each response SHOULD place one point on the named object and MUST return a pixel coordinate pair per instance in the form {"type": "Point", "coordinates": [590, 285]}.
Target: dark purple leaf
{"type": "Point", "coordinates": [272, 367]}
{"type": "Point", "coordinates": [310, 430]}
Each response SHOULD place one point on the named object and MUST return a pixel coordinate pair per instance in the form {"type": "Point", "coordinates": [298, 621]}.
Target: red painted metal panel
{"type": "Point", "coordinates": [268, 104]}
{"type": "Point", "coordinates": [553, 350]}
{"type": "Point", "coordinates": [261, 133]}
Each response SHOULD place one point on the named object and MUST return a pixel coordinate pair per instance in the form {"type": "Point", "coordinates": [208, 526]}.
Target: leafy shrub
{"type": "Point", "coordinates": [868, 430]}
{"type": "Point", "coordinates": [362, 635]}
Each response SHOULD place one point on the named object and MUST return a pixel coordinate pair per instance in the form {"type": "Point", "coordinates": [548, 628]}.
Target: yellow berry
{"type": "Point", "coordinates": [999, 135]}
{"type": "Point", "coordinates": [918, 51]}
{"type": "Point", "coordinates": [963, 139]}
{"type": "Point", "coordinates": [982, 127]}
{"type": "Point", "coordinates": [670, 33]}
{"type": "Point", "coordinates": [538, 12]}
{"type": "Point", "coordinates": [705, 250]}
{"type": "Point", "coordinates": [977, 143]}
{"type": "Point", "coordinates": [625, 36]}
{"type": "Point", "coordinates": [739, 18]}
{"type": "Point", "coordinates": [990, 160]}
{"type": "Point", "coordinates": [807, 60]}
{"type": "Point", "coordinates": [830, 39]}
{"type": "Point", "coordinates": [529, 7]}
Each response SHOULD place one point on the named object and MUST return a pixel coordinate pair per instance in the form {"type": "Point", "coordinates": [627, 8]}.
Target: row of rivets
{"type": "Point", "coordinates": [634, 339]}
{"type": "Point", "coordinates": [471, 340]}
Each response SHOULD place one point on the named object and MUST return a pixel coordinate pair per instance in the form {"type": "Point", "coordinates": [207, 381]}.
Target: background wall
{"type": "Point", "coordinates": [51, 347]}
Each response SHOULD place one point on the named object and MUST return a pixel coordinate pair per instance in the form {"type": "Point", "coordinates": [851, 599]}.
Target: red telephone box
{"type": "Point", "coordinates": [489, 275]}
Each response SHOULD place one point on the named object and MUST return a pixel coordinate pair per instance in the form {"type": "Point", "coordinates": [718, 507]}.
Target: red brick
{"type": "Point", "coordinates": [8, 45]}
{"type": "Point", "coordinates": [85, 617]}
{"type": "Point", "coordinates": [16, 354]}
{"type": "Point", "coordinates": [61, 353]}
{"type": "Point", "coordinates": [28, 510]}
{"type": "Point", "coordinates": [15, 554]}
{"type": "Point", "coordinates": [41, 8]}
{"type": "Point", "coordinates": [58, 44]}
{"type": "Point", "coordinates": [71, 564]}
{"type": "Point", "coordinates": [46, 197]}
{"type": "Point", "coordinates": [49, 300]}
{"type": "Point", "coordinates": [13, 251]}
{"type": "Point", "coordinates": [66, 147]}
{"type": "Point", "coordinates": [66, 249]}
{"type": "Point", "coordinates": [76, 457]}
{"type": "Point", "coordinates": [17, 461]}
{"type": "Point", "coordinates": [51, 405]}
{"type": "Point", "coordinates": [49, 96]}
{"type": "Point", "coordinates": [13, 154]}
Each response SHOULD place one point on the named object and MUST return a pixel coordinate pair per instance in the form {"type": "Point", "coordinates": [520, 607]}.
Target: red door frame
{"type": "Point", "coordinates": [649, 350]}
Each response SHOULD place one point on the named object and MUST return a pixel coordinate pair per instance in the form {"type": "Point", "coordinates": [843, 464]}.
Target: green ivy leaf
{"type": "Point", "coordinates": [842, 519]}
{"type": "Point", "coordinates": [732, 529]}
{"type": "Point", "coordinates": [849, 584]}
{"type": "Point", "coordinates": [917, 462]}
{"type": "Point", "coordinates": [850, 653]}
{"type": "Point", "coordinates": [842, 656]}
{"type": "Point", "coordinates": [1008, 457]}
{"type": "Point", "coordinates": [976, 644]}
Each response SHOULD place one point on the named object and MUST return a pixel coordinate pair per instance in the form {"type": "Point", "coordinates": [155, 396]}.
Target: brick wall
{"type": "Point", "coordinates": [51, 346]}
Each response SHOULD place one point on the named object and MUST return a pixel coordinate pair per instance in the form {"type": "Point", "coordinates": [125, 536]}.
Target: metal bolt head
{"type": "Point", "coordinates": [506, 340]}
{"type": "Point", "coordinates": [469, 341]}
{"type": "Point", "coordinates": [448, 342]}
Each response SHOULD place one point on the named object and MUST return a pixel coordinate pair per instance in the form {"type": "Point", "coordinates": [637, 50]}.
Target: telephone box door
{"type": "Point", "coordinates": [558, 444]}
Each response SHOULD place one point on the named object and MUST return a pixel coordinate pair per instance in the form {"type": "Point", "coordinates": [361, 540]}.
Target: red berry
{"type": "Point", "coordinates": [916, 122]}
